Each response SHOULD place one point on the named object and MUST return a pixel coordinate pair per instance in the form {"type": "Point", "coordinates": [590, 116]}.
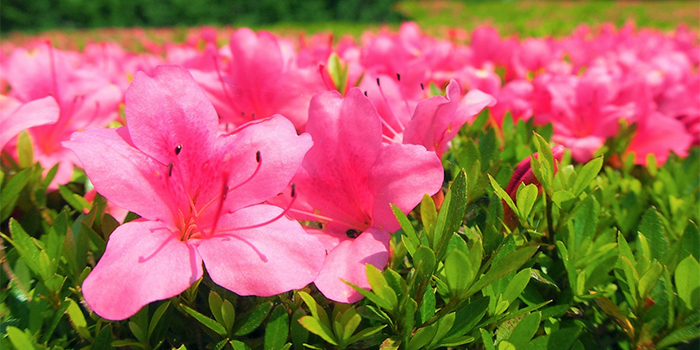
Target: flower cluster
{"type": "Point", "coordinates": [220, 150]}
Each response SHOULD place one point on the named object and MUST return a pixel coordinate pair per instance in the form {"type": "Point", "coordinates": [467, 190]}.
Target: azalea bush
{"type": "Point", "coordinates": [400, 192]}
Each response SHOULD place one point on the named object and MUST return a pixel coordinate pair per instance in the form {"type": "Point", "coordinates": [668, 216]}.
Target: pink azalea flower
{"type": "Point", "coordinates": [16, 116]}
{"type": "Point", "coordinates": [347, 181]}
{"type": "Point", "coordinates": [262, 79]}
{"type": "Point", "coordinates": [432, 122]}
{"type": "Point", "coordinates": [198, 196]}
{"type": "Point", "coordinates": [84, 96]}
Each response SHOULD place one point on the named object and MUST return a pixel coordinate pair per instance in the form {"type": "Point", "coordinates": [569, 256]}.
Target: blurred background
{"type": "Point", "coordinates": [347, 16]}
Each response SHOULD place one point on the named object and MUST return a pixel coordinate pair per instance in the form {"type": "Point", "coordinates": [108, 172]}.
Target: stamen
{"type": "Point", "coordinates": [386, 101]}
{"type": "Point", "coordinates": [365, 93]}
{"type": "Point", "coordinates": [282, 214]}
{"type": "Point", "coordinates": [170, 169]}
{"type": "Point", "coordinates": [227, 190]}
{"type": "Point", "coordinates": [178, 149]}
{"type": "Point", "coordinates": [321, 218]}
{"type": "Point", "coordinates": [398, 76]}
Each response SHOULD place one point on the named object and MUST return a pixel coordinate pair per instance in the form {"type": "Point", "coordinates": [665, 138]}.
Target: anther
{"type": "Point", "coordinates": [178, 149]}
{"type": "Point", "coordinates": [398, 76]}
{"type": "Point", "coordinates": [225, 193]}
{"type": "Point", "coordinates": [170, 169]}
{"type": "Point", "coordinates": [258, 156]}
{"type": "Point", "coordinates": [422, 87]}
{"type": "Point", "coordinates": [294, 190]}
{"type": "Point", "coordinates": [365, 93]}
{"type": "Point", "coordinates": [352, 233]}
{"type": "Point", "coordinates": [378, 82]}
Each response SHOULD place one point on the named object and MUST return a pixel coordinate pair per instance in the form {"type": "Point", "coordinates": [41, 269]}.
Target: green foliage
{"type": "Point", "coordinates": [46, 14]}
{"type": "Point", "coordinates": [596, 257]}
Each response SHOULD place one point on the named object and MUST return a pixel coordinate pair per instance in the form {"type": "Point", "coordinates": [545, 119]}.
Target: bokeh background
{"type": "Point", "coordinates": [526, 18]}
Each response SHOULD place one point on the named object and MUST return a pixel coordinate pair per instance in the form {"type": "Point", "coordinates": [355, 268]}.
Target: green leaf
{"type": "Point", "coordinates": [299, 334]}
{"type": "Point", "coordinates": [77, 202]}
{"type": "Point", "coordinates": [252, 319]}
{"type": "Point", "coordinates": [587, 173]}
{"type": "Point", "coordinates": [427, 306]}
{"type": "Point", "coordinates": [487, 338]}
{"type": "Point", "coordinates": [317, 311]}
{"type": "Point", "coordinates": [407, 228]}
{"type": "Point", "coordinates": [687, 282]}
{"type": "Point", "coordinates": [215, 302]}
{"type": "Point", "coordinates": [525, 198]}
{"type": "Point", "coordinates": [365, 333]}
{"type": "Point", "coordinates": [563, 339]}
{"type": "Point", "coordinates": [10, 192]}
{"type": "Point", "coordinates": [349, 322]}
{"type": "Point", "coordinates": [277, 329]}
{"type": "Point", "coordinates": [501, 193]}
{"type": "Point", "coordinates": [210, 323]}
{"type": "Point", "coordinates": [422, 337]}
{"type": "Point", "coordinates": [504, 266]}
{"type": "Point", "coordinates": [649, 279]}
{"type": "Point", "coordinates": [314, 326]}
{"type": "Point", "coordinates": [525, 330]}
{"type": "Point", "coordinates": [516, 286]}
{"type": "Point", "coordinates": [653, 231]}
{"type": "Point", "coordinates": [239, 345]}
{"type": "Point", "coordinates": [561, 196]}
{"type": "Point", "coordinates": [458, 272]}
{"type": "Point", "coordinates": [157, 316]}
{"type": "Point", "coordinates": [468, 317]}
{"type": "Point", "coordinates": [19, 339]}
{"type": "Point", "coordinates": [25, 151]}
{"type": "Point", "coordinates": [26, 246]}
{"type": "Point", "coordinates": [381, 288]}
{"type": "Point", "coordinates": [680, 335]}
{"type": "Point", "coordinates": [452, 210]}
{"type": "Point", "coordinates": [228, 313]}
{"type": "Point", "coordinates": [428, 213]}
{"type": "Point", "coordinates": [543, 165]}
{"type": "Point", "coordinates": [424, 262]}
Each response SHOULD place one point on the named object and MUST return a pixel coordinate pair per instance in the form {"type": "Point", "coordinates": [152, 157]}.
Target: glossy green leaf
{"type": "Point", "coordinates": [586, 175]}
{"type": "Point", "coordinates": [208, 322]}
{"type": "Point", "coordinates": [525, 330]}
{"type": "Point", "coordinates": [501, 193]}
{"type": "Point", "coordinates": [314, 326]}
{"type": "Point", "coordinates": [252, 319]}
{"type": "Point", "coordinates": [653, 231]}
{"type": "Point", "coordinates": [25, 150]}
{"type": "Point", "coordinates": [299, 334]}
{"type": "Point", "coordinates": [381, 288]}
{"type": "Point", "coordinates": [458, 272]}
{"type": "Point", "coordinates": [277, 329]}
{"type": "Point", "coordinates": [525, 199]}
{"type": "Point", "coordinates": [688, 283]}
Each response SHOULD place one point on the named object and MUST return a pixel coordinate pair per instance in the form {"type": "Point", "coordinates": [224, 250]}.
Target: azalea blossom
{"type": "Point", "coordinates": [16, 116]}
{"type": "Point", "coordinates": [348, 181]}
{"type": "Point", "coordinates": [199, 196]}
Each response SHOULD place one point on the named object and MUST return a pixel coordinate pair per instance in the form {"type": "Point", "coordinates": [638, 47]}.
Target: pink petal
{"type": "Point", "coordinates": [37, 112]}
{"type": "Point", "coordinates": [169, 110]}
{"type": "Point", "coordinates": [144, 262]}
{"type": "Point", "coordinates": [122, 173]}
{"type": "Point", "coordinates": [347, 139]}
{"type": "Point", "coordinates": [281, 154]}
{"type": "Point", "coordinates": [262, 261]}
{"type": "Point", "coordinates": [401, 176]}
{"type": "Point", "coordinates": [347, 262]}
{"type": "Point", "coordinates": [660, 136]}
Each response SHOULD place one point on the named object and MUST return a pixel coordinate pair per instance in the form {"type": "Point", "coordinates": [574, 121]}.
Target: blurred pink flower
{"type": "Point", "coordinates": [198, 196]}
{"type": "Point", "coordinates": [16, 116]}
